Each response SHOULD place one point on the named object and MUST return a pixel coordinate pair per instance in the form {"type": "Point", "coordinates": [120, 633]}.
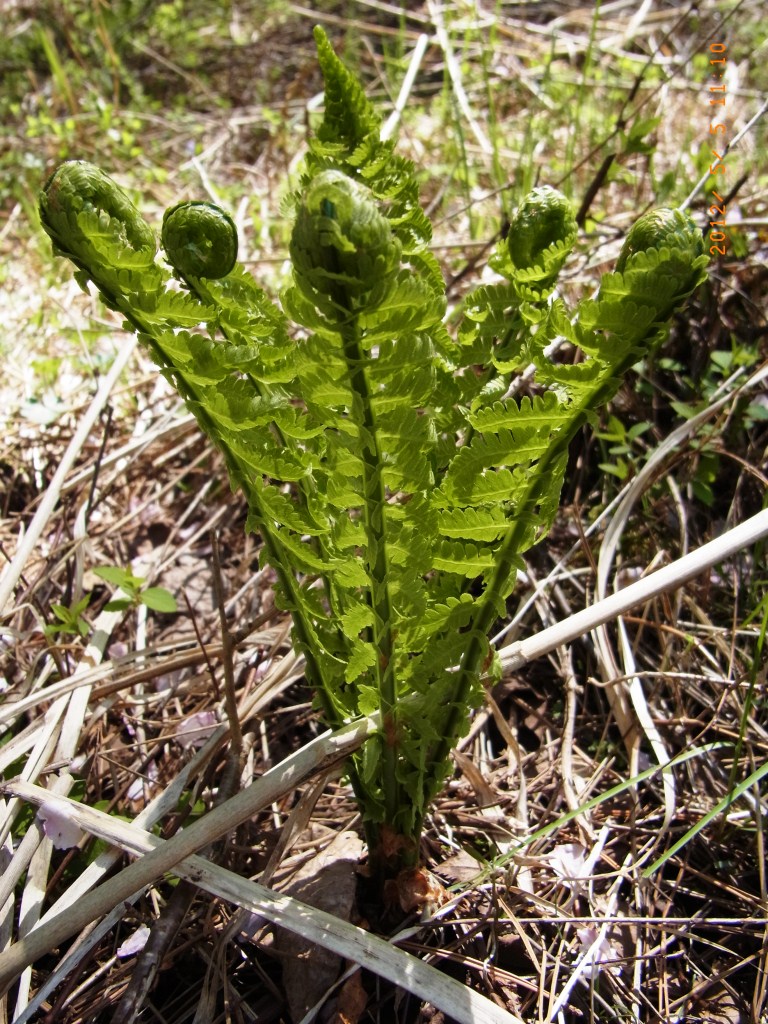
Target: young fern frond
{"type": "Point", "coordinates": [663, 262]}
{"type": "Point", "coordinates": [94, 223]}
{"type": "Point", "coordinates": [393, 477]}
{"type": "Point", "coordinates": [348, 140]}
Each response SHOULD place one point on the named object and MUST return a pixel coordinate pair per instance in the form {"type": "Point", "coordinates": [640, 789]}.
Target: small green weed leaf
{"type": "Point", "coordinates": [118, 577]}
{"type": "Point", "coordinates": [71, 619]}
{"type": "Point", "coordinates": [643, 126]}
{"type": "Point", "coordinates": [158, 599]}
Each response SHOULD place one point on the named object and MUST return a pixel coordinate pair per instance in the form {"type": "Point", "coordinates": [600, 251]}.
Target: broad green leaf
{"type": "Point", "coordinates": [158, 599]}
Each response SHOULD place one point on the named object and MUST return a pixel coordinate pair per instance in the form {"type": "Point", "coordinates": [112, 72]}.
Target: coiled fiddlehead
{"type": "Point", "coordinates": [199, 240]}
{"type": "Point", "coordinates": [343, 250]}
{"type": "Point", "coordinates": [542, 231]}
{"type": "Point", "coordinates": [663, 227]}
{"type": "Point", "coordinates": [91, 219]}
{"type": "Point", "coordinates": [661, 262]}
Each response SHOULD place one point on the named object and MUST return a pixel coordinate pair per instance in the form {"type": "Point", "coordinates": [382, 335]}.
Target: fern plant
{"type": "Point", "coordinates": [392, 475]}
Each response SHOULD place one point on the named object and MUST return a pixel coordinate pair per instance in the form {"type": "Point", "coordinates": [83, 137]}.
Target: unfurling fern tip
{"type": "Point", "coordinates": [199, 240]}
{"type": "Point", "coordinates": [92, 220]}
{"type": "Point", "coordinates": [343, 251]}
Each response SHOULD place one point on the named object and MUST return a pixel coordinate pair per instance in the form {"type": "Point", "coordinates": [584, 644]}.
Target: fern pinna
{"type": "Point", "coordinates": [394, 478]}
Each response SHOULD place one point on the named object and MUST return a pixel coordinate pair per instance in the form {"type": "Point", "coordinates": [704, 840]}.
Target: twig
{"type": "Point", "coordinates": [318, 756]}
{"type": "Point", "coordinates": [726, 150]}
{"type": "Point", "coordinates": [50, 499]}
{"type": "Point", "coordinates": [162, 934]}
{"type": "Point", "coordinates": [565, 655]}
{"type": "Point", "coordinates": [348, 940]}
{"type": "Point", "coordinates": [97, 465]}
{"type": "Point", "coordinates": [155, 810]}
{"type": "Point", "coordinates": [230, 700]}
{"type": "Point", "coordinates": [672, 576]}
{"type": "Point", "coordinates": [167, 926]}
{"type": "Point", "coordinates": [203, 648]}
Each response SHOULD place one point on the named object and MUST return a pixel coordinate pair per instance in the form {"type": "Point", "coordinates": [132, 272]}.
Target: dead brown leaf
{"type": "Point", "coordinates": [419, 889]}
{"type": "Point", "coordinates": [329, 882]}
{"type": "Point", "coordinates": [353, 1000]}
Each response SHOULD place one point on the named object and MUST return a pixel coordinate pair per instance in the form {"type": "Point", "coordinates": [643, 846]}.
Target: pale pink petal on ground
{"type": "Point", "coordinates": [134, 943]}
{"type": "Point", "coordinates": [59, 825]}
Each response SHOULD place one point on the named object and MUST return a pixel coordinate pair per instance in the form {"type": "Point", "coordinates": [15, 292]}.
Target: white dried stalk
{"type": "Point", "coordinates": [155, 810]}
{"type": "Point", "coordinates": [6, 910]}
{"type": "Point", "coordinates": [454, 73]}
{"type": "Point", "coordinates": [39, 758]}
{"type": "Point", "coordinates": [626, 695]}
{"type": "Point", "coordinates": [50, 498]}
{"type": "Point", "coordinates": [21, 743]}
{"type": "Point", "coordinates": [672, 576]}
{"type": "Point", "coordinates": [69, 731]}
{"type": "Point", "coordinates": [343, 938]}
{"type": "Point", "coordinates": [318, 756]}
{"type": "Point", "coordinates": [172, 427]}
{"type": "Point", "coordinates": [188, 655]}
{"type": "Point", "coordinates": [11, 710]}
{"type": "Point", "coordinates": [405, 89]}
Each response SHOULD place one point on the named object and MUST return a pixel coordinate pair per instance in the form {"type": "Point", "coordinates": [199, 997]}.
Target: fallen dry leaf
{"type": "Point", "coordinates": [328, 882]}
{"type": "Point", "coordinates": [485, 794]}
{"type": "Point", "coordinates": [352, 1002]}
{"type": "Point", "coordinates": [418, 889]}
{"type": "Point", "coordinates": [460, 867]}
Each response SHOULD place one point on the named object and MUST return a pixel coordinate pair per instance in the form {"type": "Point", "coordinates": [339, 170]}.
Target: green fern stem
{"type": "Point", "coordinates": [488, 611]}
{"type": "Point", "coordinates": [197, 287]}
{"type": "Point", "coordinates": [302, 633]}
{"type": "Point", "coordinates": [345, 259]}
{"type": "Point", "coordinates": [239, 476]}
{"type": "Point", "coordinates": [660, 264]}
{"type": "Point", "coordinates": [191, 249]}
{"type": "Point", "coordinates": [313, 671]}
{"type": "Point", "coordinates": [374, 513]}
{"type": "Point", "coordinates": [492, 600]}
{"type": "Point", "coordinates": [278, 558]}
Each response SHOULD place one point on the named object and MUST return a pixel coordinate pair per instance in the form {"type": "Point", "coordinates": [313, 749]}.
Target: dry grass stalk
{"type": "Point", "coordinates": [349, 941]}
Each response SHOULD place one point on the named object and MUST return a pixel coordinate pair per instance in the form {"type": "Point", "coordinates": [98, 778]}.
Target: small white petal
{"type": "Point", "coordinates": [134, 943]}
{"type": "Point", "coordinates": [597, 947]}
{"type": "Point", "coordinates": [569, 861]}
{"type": "Point", "coordinates": [136, 790]}
{"type": "Point", "coordinates": [195, 730]}
{"type": "Point", "coordinates": [59, 825]}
